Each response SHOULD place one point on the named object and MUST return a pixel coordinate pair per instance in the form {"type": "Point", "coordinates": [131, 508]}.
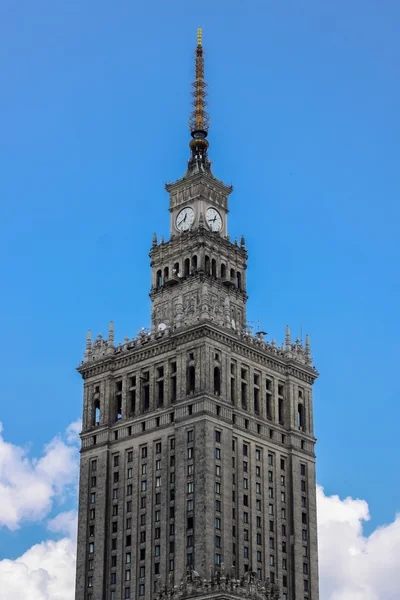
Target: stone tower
{"type": "Point", "coordinates": [197, 472]}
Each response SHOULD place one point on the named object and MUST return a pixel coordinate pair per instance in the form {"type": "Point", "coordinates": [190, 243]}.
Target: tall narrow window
{"type": "Point", "coordinates": [173, 381]}
{"type": "Point", "coordinates": [217, 381]}
{"type": "Point", "coordinates": [223, 271]}
{"type": "Point", "coordinates": [207, 265]}
{"type": "Point", "coordinates": [97, 412]}
{"type": "Point", "coordinates": [166, 274]}
{"type": "Point", "coordinates": [268, 399]}
{"type": "Point", "coordinates": [160, 387]}
{"type": "Point", "coordinates": [281, 412]}
{"type": "Point", "coordinates": [145, 391]}
{"type": "Point", "coordinates": [159, 278]}
{"type": "Point", "coordinates": [194, 264]}
{"type": "Point", "coordinates": [186, 267]}
{"type": "Point", "coordinates": [191, 380]}
{"type": "Point", "coordinates": [239, 280]}
{"type": "Point", "coordinates": [300, 416]}
{"type": "Point", "coordinates": [214, 268]}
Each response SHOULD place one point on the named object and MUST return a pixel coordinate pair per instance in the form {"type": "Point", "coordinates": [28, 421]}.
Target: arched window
{"type": "Point", "coordinates": [207, 265]}
{"type": "Point", "coordinates": [300, 416]}
{"type": "Point", "coordinates": [194, 264]}
{"type": "Point", "coordinates": [186, 267]}
{"type": "Point", "coordinates": [191, 380]}
{"type": "Point", "coordinates": [223, 271]}
{"type": "Point", "coordinates": [214, 268]}
{"type": "Point", "coordinates": [233, 274]}
{"type": "Point", "coordinates": [97, 412]}
{"type": "Point", "coordinates": [166, 274]}
{"type": "Point", "coordinates": [239, 280]}
{"type": "Point", "coordinates": [217, 381]}
{"type": "Point", "coordinates": [159, 278]}
{"type": "Point", "coordinates": [176, 268]}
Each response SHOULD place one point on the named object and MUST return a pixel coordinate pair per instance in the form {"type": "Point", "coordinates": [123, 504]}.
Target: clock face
{"type": "Point", "coordinates": [185, 219]}
{"type": "Point", "coordinates": [214, 219]}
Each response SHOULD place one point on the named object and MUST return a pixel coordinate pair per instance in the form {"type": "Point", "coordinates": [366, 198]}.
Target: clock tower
{"type": "Point", "coordinates": [197, 469]}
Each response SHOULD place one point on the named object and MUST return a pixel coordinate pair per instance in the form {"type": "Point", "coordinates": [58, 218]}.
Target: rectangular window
{"type": "Point", "coordinates": [141, 589]}
{"type": "Point", "coordinates": [217, 523]}
{"type": "Point", "coordinates": [171, 564]}
{"type": "Point", "coordinates": [245, 517]}
{"type": "Point", "coordinates": [258, 521]}
{"type": "Point", "coordinates": [271, 543]}
{"type": "Point", "coordinates": [91, 548]}
{"type": "Point", "coordinates": [158, 481]}
{"type": "Point", "coordinates": [258, 555]}
{"type": "Point", "coordinates": [218, 453]}
{"type": "Point", "coordinates": [128, 558]}
{"type": "Point", "coordinates": [246, 535]}
{"type": "Point", "coordinates": [130, 456]}
{"type": "Point", "coordinates": [190, 487]}
{"type": "Point", "coordinates": [157, 550]}
{"type": "Point", "coordinates": [115, 510]}
{"type": "Point", "coordinates": [245, 450]}
{"type": "Point", "coordinates": [144, 469]}
{"type": "Point", "coordinates": [303, 485]}
{"type": "Point", "coordinates": [217, 558]}
{"type": "Point", "coordinates": [142, 537]}
{"type": "Point", "coordinates": [245, 500]}
{"type": "Point", "coordinates": [246, 552]}
{"type": "Point", "coordinates": [116, 460]}
{"type": "Point", "coordinates": [270, 460]}
{"type": "Point", "coordinates": [190, 505]}
{"type": "Point", "coordinates": [158, 464]}
{"type": "Point", "coordinates": [271, 509]}
{"type": "Point", "coordinates": [217, 487]}
{"type": "Point", "coordinates": [190, 470]}
{"type": "Point", "coordinates": [245, 483]}
{"type": "Point", "coordinates": [189, 541]}
{"type": "Point", "coordinates": [143, 486]}
{"type": "Point", "coordinates": [93, 498]}
{"type": "Point", "coordinates": [258, 539]}
{"type": "Point", "coordinates": [218, 505]}
{"type": "Point", "coordinates": [115, 494]}
{"type": "Point", "coordinates": [157, 516]}
{"type": "Point", "coordinates": [218, 470]}
{"type": "Point", "coordinates": [157, 533]}
{"type": "Point", "coordinates": [218, 541]}
{"type": "Point", "coordinates": [258, 487]}
{"type": "Point", "coordinates": [129, 489]}
{"type": "Point", "coordinates": [190, 453]}
{"type": "Point", "coordinates": [258, 504]}
{"type": "Point", "coordinates": [189, 558]}
{"type": "Point", "coordinates": [258, 471]}
{"type": "Point", "coordinates": [190, 436]}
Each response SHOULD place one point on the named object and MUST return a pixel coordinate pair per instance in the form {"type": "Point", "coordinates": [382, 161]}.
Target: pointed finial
{"type": "Point", "coordinates": [242, 242]}
{"type": "Point", "coordinates": [235, 242]}
{"type": "Point", "coordinates": [308, 351]}
{"type": "Point", "coordinates": [154, 243]}
{"type": "Point", "coordinates": [111, 333]}
{"type": "Point", "coordinates": [288, 340]}
{"type": "Point", "coordinates": [273, 343]}
{"type": "Point", "coordinates": [199, 36]}
{"type": "Point", "coordinates": [88, 340]}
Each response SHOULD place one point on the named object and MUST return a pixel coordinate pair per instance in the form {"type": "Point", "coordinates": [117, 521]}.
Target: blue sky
{"type": "Point", "coordinates": [305, 123]}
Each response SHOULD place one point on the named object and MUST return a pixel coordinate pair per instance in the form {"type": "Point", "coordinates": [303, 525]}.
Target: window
{"type": "Point", "coordinates": [271, 543]}
{"type": "Point", "coordinates": [158, 481]}
{"type": "Point", "coordinates": [258, 521]}
{"type": "Point", "coordinates": [157, 533]}
{"type": "Point", "coordinates": [144, 452]}
{"type": "Point", "coordinates": [128, 558]}
{"type": "Point", "coordinates": [283, 464]}
{"type": "Point", "coordinates": [90, 580]}
{"type": "Point", "coordinates": [306, 585]}
{"type": "Point", "coordinates": [143, 486]}
{"type": "Point", "coordinates": [271, 560]}
{"type": "Point", "coordinates": [283, 530]}
{"type": "Point", "coordinates": [189, 541]}
{"type": "Point", "coordinates": [218, 470]}
{"type": "Point", "coordinates": [92, 513]}
{"type": "Point", "coordinates": [258, 471]}
{"type": "Point", "coordinates": [190, 487]}
{"type": "Point", "coordinates": [218, 436]}
{"type": "Point", "coordinates": [283, 497]}
{"type": "Point", "coordinates": [157, 569]}
{"type": "Point", "coordinates": [115, 510]}
{"type": "Point", "coordinates": [128, 575]}
{"type": "Point", "coordinates": [305, 535]}
{"type": "Point", "coordinates": [305, 551]}
{"type": "Point", "coordinates": [245, 449]}
{"type": "Point", "coordinates": [130, 473]}
{"type": "Point", "coordinates": [143, 502]}
{"type": "Point", "coordinates": [282, 480]}
{"type": "Point", "coordinates": [158, 464]}
{"type": "Point", "coordinates": [141, 589]}
{"type": "Point", "coordinates": [142, 555]}
{"type": "Point", "coordinates": [129, 489]}
{"type": "Point", "coordinates": [116, 460]}
{"type": "Point", "coordinates": [303, 485]}
{"type": "Point", "coordinates": [217, 523]}
{"type": "Point", "coordinates": [218, 505]}
{"type": "Point", "coordinates": [189, 558]}
{"type": "Point", "coordinates": [218, 453]}
{"type": "Point", "coordinates": [114, 526]}
{"type": "Point", "coordinates": [271, 509]}
{"type": "Point", "coordinates": [245, 517]}
{"type": "Point", "coordinates": [258, 504]}
{"type": "Point", "coordinates": [157, 516]}
{"type": "Point", "coordinates": [171, 564]}
{"type": "Point", "coordinates": [270, 476]}
{"type": "Point", "coordinates": [190, 505]}
{"type": "Point", "coordinates": [258, 555]}
{"type": "Point", "coordinates": [157, 550]}
{"type": "Point", "coordinates": [115, 494]}
{"type": "Point", "coordinates": [284, 547]}
{"type": "Point", "coordinates": [303, 501]}
{"type": "Point", "coordinates": [246, 535]}
{"type": "Point", "coordinates": [190, 469]}
{"type": "Point", "coordinates": [143, 519]}
{"type": "Point", "coordinates": [305, 568]}
{"type": "Point", "coordinates": [91, 548]}
{"type": "Point", "coordinates": [130, 456]}
{"type": "Point", "coordinates": [258, 454]}
{"type": "Point", "coordinates": [158, 448]}
{"type": "Point", "coordinates": [92, 497]}
{"type": "Point", "coordinates": [190, 436]}
{"type": "Point", "coordinates": [114, 544]}
{"type": "Point", "coordinates": [142, 537]}
{"type": "Point", "coordinates": [245, 552]}
{"type": "Point", "coordinates": [190, 522]}
{"type": "Point", "coordinates": [172, 529]}
{"type": "Point", "coordinates": [93, 480]}
{"type": "Point", "coordinates": [304, 518]}
{"type": "Point", "coordinates": [113, 578]}
{"type": "Point", "coordinates": [271, 526]}
{"type": "Point", "coordinates": [283, 513]}
{"type": "Point", "coordinates": [245, 500]}
{"type": "Point", "coordinates": [190, 453]}
{"type": "Point", "coordinates": [158, 498]}
{"type": "Point", "coordinates": [113, 561]}
{"type": "Point", "coordinates": [218, 541]}
{"type": "Point", "coordinates": [245, 483]}
{"type": "Point", "coordinates": [303, 470]}
{"type": "Point", "coordinates": [284, 564]}
{"type": "Point", "coordinates": [217, 487]}
{"type": "Point", "coordinates": [258, 539]}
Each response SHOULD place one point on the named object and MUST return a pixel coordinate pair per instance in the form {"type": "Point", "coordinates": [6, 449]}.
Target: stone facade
{"type": "Point", "coordinates": [197, 439]}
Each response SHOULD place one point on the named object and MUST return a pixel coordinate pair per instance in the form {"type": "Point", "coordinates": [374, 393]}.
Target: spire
{"type": "Point", "coordinates": [199, 118]}
{"type": "Point", "coordinates": [308, 351]}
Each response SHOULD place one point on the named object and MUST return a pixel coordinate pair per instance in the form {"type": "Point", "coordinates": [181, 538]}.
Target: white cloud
{"type": "Point", "coordinates": [65, 523]}
{"type": "Point", "coordinates": [45, 572]}
{"type": "Point", "coordinates": [353, 566]}
{"type": "Point", "coordinates": [28, 486]}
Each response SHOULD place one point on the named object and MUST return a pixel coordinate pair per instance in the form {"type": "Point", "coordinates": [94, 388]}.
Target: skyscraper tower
{"type": "Point", "coordinates": [197, 472]}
